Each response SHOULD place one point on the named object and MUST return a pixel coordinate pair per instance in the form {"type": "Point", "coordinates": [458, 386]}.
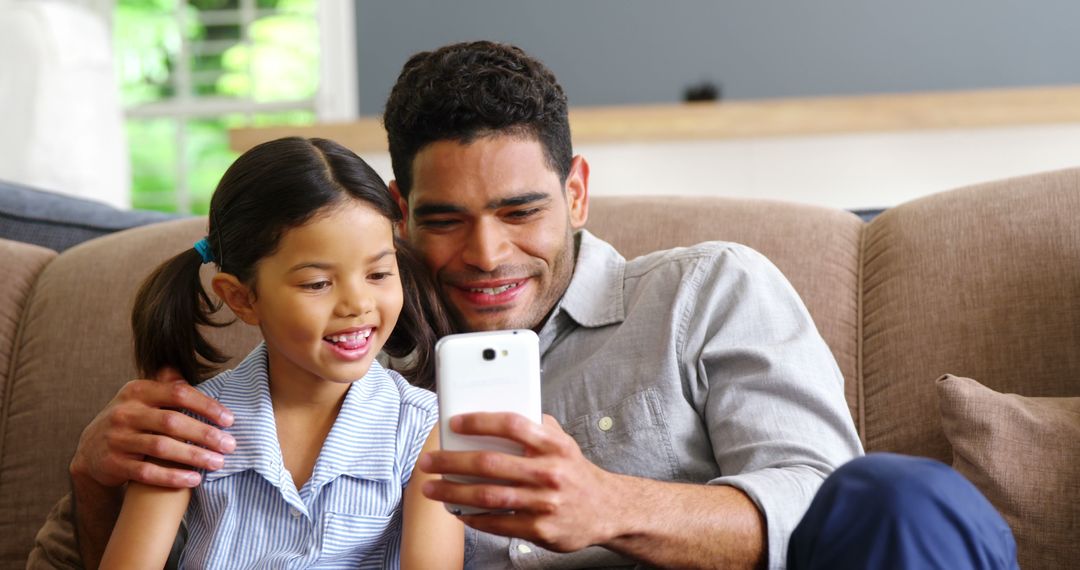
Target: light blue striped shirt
{"type": "Point", "coordinates": [249, 514]}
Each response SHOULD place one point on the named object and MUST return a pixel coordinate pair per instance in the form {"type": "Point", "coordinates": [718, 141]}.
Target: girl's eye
{"type": "Point", "coordinates": [316, 286]}
{"type": "Point", "coordinates": [379, 276]}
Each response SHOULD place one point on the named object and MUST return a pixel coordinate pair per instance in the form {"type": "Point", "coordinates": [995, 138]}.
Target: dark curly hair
{"type": "Point", "coordinates": [464, 91]}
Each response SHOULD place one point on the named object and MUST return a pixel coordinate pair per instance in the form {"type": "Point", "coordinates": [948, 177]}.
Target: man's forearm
{"type": "Point", "coordinates": [688, 526]}
{"type": "Point", "coordinates": [96, 510]}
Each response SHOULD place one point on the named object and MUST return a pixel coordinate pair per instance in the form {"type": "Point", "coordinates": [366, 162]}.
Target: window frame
{"type": "Point", "coordinates": [335, 99]}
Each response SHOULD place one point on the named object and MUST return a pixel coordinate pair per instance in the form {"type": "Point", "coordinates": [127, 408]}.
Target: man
{"type": "Point", "coordinates": [659, 370]}
{"type": "Point", "coordinates": [694, 410]}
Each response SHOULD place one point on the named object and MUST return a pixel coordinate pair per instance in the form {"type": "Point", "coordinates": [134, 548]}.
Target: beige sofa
{"type": "Point", "coordinates": [982, 282]}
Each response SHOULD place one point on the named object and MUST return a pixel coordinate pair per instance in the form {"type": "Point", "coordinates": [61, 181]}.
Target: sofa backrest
{"type": "Point", "coordinates": [73, 354]}
{"type": "Point", "coordinates": [983, 282]}
{"type": "Point", "coordinates": [21, 266]}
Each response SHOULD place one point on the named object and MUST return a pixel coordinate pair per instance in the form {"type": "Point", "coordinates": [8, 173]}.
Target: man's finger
{"type": "Point", "coordinates": [168, 374]}
{"type": "Point", "coordinates": [494, 497]}
{"type": "Point", "coordinates": [542, 438]}
{"type": "Point", "coordinates": [161, 476]}
{"type": "Point", "coordinates": [495, 465]}
{"type": "Point", "coordinates": [180, 428]}
{"type": "Point", "coordinates": [180, 396]}
{"type": "Point", "coordinates": [165, 449]}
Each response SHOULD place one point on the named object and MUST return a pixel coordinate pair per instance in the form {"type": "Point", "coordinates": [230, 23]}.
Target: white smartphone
{"type": "Point", "coordinates": [497, 371]}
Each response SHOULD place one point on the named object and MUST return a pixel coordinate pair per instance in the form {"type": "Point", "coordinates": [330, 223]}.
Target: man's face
{"type": "Point", "coordinates": [495, 226]}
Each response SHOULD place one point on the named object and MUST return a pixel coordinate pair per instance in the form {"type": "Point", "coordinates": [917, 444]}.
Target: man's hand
{"type": "Point", "coordinates": [555, 493]}
{"type": "Point", "coordinates": [562, 502]}
{"type": "Point", "coordinates": [132, 439]}
{"type": "Point", "coordinates": [140, 423]}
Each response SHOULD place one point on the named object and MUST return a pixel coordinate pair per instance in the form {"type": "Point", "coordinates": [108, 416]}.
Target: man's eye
{"type": "Point", "coordinates": [316, 286]}
{"type": "Point", "coordinates": [523, 214]}
{"type": "Point", "coordinates": [437, 224]}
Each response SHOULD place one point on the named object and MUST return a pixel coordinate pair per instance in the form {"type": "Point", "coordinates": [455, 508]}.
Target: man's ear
{"type": "Point", "coordinates": [577, 192]}
{"type": "Point", "coordinates": [239, 297]}
{"type": "Point", "coordinates": [403, 204]}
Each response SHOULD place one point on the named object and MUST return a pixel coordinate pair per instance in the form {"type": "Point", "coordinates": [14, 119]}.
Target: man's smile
{"type": "Point", "coordinates": [491, 293]}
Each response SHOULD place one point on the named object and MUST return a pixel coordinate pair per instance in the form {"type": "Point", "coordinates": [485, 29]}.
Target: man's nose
{"type": "Point", "coordinates": [487, 246]}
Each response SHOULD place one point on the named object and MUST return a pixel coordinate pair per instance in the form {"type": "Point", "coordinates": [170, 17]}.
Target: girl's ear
{"type": "Point", "coordinates": [239, 297]}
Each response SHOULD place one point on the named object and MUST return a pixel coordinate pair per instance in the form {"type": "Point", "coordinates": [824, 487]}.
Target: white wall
{"type": "Point", "coordinates": [842, 171]}
{"type": "Point", "coordinates": [61, 124]}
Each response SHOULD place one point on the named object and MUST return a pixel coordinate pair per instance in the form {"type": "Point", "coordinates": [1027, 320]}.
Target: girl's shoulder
{"type": "Point", "coordinates": [252, 367]}
{"type": "Point", "coordinates": [212, 386]}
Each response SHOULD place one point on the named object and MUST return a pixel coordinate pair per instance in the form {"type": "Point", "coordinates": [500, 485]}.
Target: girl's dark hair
{"type": "Point", "coordinates": [270, 189]}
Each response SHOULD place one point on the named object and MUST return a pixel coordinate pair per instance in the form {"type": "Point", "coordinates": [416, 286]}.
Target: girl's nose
{"type": "Point", "coordinates": [355, 301]}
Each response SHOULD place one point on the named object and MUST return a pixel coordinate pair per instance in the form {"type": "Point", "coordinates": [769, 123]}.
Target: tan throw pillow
{"type": "Point", "coordinates": [1024, 455]}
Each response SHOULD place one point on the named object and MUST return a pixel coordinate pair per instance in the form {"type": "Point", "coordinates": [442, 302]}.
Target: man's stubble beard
{"type": "Point", "coordinates": [561, 273]}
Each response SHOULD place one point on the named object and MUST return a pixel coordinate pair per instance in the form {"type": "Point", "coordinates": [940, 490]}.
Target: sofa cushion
{"type": "Point", "coordinates": [20, 264]}
{"type": "Point", "coordinates": [1024, 455]}
{"type": "Point", "coordinates": [73, 353]}
{"type": "Point", "coordinates": [980, 282]}
{"type": "Point", "coordinates": [58, 222]}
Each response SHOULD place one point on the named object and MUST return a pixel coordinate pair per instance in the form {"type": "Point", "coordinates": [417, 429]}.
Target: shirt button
{"type": "Point", "coordinates": [605, 423]}
{"type": "Point", "coordinates": [524, 548]}
{"type": "Point", "coordinates": [294, 512]}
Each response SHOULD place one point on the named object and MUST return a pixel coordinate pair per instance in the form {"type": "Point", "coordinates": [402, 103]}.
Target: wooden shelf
{"type": "Point", "coordinates": [758, 118]}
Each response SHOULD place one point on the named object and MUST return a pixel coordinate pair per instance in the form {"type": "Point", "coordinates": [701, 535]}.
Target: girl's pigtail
{"type": "Point", "coordinates": [423, 321]}
{"type": "Point", "coordinates": [169, 308]}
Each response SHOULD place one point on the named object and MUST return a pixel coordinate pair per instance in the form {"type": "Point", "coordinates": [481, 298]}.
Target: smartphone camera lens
{"type": "Point", "coordinates": [489, 354]}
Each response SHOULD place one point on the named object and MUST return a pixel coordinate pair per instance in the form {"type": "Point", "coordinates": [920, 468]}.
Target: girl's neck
{"type": "Point", "coordinates": [296, 389]}
{"type": "Point", "coordinates": [305, 409]}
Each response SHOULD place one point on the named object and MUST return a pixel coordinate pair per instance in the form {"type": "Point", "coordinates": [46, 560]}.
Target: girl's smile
{"type": "Point", "coordinates": [351, 344]}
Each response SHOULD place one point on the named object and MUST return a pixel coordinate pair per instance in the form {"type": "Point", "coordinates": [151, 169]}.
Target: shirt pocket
{"type": "Point", "coordinates": [630, 437]}
{"type": "Point", "coordinates": [353, 538]}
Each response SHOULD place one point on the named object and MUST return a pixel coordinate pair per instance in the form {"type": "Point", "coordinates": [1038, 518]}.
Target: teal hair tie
{"type": "Point", "coordinates": [203, 247]}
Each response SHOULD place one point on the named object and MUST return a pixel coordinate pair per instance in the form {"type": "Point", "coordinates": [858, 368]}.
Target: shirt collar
{"type": "Point", "coordinates": [362, 442]}
{"type": "Point", "coordinates": [594, 297]}
{"type": "Point", "coordinates": [246, 392]}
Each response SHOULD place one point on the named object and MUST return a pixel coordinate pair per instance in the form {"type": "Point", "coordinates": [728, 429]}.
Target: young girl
{"type": "Point", "coordinates": [302, 233]}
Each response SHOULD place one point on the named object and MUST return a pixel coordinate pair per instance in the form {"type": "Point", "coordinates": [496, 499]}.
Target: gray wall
{"type": "Point", "coordinates": [638, 51]}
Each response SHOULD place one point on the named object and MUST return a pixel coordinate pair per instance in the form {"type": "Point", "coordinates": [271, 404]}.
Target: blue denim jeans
{"type": "Point", "coordinates": [893, 511]}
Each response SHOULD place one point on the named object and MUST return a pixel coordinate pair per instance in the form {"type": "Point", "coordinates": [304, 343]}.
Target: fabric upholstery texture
{"type": "Point", "coordinates": [23, 264]}
{"type": "Point", "coordinates": [74, 354]}
{"type": "Point", "coordinates": [1024, 455]}
{"type": "Point", "coordinates": [982, 282]}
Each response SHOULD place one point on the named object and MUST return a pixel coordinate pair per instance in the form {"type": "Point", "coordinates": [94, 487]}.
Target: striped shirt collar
{"type": "Point", "coordinates": [361, 443]}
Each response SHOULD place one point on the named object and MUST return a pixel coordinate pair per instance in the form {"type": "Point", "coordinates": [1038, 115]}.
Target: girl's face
{"type": "Point", "coordinates": [328, 298]}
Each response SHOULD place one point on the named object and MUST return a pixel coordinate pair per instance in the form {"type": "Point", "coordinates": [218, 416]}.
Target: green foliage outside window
{"type": "Point", "coordinates": [280, 63]}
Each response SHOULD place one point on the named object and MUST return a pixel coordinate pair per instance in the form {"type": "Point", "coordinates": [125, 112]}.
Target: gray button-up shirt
{"type": "Point", "coordinates": [696, 364]}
